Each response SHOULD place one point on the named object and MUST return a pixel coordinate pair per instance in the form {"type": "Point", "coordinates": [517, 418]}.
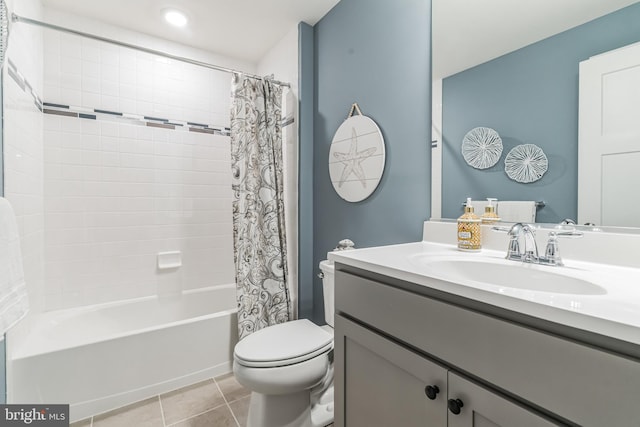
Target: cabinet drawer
{"type": "Point", "coordinates": [588, 386]}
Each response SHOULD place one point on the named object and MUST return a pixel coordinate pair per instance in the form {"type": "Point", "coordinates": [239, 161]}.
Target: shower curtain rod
{"type": "Point", "coordinates": [17, 18]}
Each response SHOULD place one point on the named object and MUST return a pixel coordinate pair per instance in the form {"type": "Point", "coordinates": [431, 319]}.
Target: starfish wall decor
{"type": "Point", "coordinates": [353, 160]}
{"type": "Point", "coordinates": [356, 158]}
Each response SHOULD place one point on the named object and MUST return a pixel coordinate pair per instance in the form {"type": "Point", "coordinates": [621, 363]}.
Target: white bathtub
{"type": "Point", "coordinates": [104, 356]}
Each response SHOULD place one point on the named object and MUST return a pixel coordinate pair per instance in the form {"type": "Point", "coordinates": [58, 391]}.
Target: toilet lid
{"type": "Point", "coordinates": [283, 344]}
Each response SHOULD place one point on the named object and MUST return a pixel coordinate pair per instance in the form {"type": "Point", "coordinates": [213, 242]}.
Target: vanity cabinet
{"type": "Point", "coordinates": [388, 384]}
{"type": "Point", "coordinates": [393, 339]}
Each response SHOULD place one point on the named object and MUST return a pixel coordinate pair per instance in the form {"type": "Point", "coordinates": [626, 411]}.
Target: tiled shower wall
{"type": "Point", "coordinates": [118, 189]}
{"type": "Point", "coordinates": [23, 162]}
{"type": "Point", "coordinates": [116, 194]}
{"type": "Point", "coordinates": [22, 140]}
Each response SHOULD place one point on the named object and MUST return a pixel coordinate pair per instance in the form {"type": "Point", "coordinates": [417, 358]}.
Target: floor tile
{"type": "Point", "coordinates": [240, 409]}
{"type": "Point", "coordinates": [82, 423]}
{"type": "Point", "coordinates": [219, 417]}
{"type": "Point", "coordinates": [142, 414]}
{"type": "Point", "coordinates": [231, 388]}
{"type": "Point", "coordinates": [189, 401]}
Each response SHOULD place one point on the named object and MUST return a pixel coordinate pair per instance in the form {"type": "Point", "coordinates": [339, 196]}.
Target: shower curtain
{"type": "Point", "coordinates": [258, 204]}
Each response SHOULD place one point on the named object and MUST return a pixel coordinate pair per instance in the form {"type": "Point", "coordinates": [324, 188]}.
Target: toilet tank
{"type": "Point", "coordinates": [328, 290]}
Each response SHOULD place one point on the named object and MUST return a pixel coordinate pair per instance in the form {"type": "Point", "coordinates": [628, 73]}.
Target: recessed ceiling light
{"type": "Point", "coordinates": [175, 17]}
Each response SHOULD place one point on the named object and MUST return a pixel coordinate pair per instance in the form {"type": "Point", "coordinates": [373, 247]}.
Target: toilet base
{"type": "Point", "coordinates": [290, 410]}
{"type": "Point", "coordinates": [322, 409]}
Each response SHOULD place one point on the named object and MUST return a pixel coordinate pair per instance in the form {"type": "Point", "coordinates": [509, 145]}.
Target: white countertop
{"type": "Point", "coordinates": [614, 313]}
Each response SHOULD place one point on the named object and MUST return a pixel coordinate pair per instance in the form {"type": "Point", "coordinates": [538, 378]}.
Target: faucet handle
{"type": "Point", "coordinates": [552, 252]}
{"type": "Point", "coordinates": [513, 251]}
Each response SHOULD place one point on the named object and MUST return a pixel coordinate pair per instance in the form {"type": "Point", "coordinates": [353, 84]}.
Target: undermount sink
{"type": "Point", "coordinates": [508, 274]}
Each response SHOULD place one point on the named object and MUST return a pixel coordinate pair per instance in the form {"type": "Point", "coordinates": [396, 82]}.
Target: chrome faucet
{"type": "Point", "coordinates": [528, 251]}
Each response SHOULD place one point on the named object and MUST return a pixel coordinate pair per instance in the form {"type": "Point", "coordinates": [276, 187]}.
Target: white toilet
{"type": "Point", "coordinates": [289, 369]}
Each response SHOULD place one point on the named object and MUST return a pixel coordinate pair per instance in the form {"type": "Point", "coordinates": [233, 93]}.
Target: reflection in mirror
{"type": "Point", "coordinates": [514, 67]}
{"type": "Point", "coordinates": [609, 148]}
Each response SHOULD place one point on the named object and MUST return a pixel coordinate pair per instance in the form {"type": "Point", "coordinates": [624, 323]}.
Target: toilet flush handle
{"type": "Point", "coordinates": [344, 245]}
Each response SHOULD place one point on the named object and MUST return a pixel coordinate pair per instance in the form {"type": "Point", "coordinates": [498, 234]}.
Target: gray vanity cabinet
{"type": "Point", "coordinates": [394, 338]}
{"type": "Point", "coordinates": [385, 384]}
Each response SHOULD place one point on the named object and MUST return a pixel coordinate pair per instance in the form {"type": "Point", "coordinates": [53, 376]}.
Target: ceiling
{"type": "Point", "coordinates": [465, 32]}
{"type": "Point", "coordinates": [242, 29]}
{"type": "Point", "coordinates": [469, 32]}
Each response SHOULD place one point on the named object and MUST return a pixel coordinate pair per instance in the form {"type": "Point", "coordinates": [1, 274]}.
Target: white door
{"type": "Point", "coordinates": [609, 139]}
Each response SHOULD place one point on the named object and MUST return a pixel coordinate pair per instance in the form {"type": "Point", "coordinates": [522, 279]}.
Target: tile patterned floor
{"type": "Point", "coordinates": [217, 402]}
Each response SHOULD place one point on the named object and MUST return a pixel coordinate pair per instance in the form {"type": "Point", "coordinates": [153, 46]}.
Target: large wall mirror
{"type": "Point", "coordinates": [514, 67]}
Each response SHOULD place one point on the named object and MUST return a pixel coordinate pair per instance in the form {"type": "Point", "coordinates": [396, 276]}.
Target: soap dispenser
{"type": "Point", "coordinates": [490, 216]}
{"type": "Point", "coordinates": [469, 229]}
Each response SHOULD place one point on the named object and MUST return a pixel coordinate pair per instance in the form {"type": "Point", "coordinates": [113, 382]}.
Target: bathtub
{"type": "Point", "coordinates": [100, 357]}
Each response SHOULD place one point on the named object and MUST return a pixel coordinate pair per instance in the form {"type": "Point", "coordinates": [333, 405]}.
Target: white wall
{"type": "Point", "coordinates": [117, 192]}
{"type": "Point", "coordinates": [23, 151]}
{"type": "Point", "coordinates": [282, 62]}
{"type": "Point", "coordinates": [23, 160]}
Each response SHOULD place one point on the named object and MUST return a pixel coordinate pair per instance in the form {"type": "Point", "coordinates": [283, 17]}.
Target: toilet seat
{"type": "Point", "coordinates": [284, 344]}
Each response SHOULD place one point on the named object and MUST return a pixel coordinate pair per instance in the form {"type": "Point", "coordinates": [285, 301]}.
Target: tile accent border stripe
{"type": "Point", "coordinates": [134, 119]}
{"type": "Point", "coordinates": [22, 82]}
{"type": "Point", "coordinates": [99, 114]}
{"type": "Point", "coordinates": [60, 113]}
{"type": "Point", "coordinates": [161, 125]}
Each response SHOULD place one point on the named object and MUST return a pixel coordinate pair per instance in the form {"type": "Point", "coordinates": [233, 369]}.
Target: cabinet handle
{"type": "Point", "coordinates": [455, 405]}
{"type": "Point", "coordinates": [431, 391]}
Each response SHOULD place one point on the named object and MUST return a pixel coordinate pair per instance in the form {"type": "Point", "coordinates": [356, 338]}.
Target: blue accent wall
{"type": "Point", "coordinates": [527, 96]}
{"type": "Point", "coordinates": [376, 53]}
{"type": "Point", "coordinates": [305, 170]}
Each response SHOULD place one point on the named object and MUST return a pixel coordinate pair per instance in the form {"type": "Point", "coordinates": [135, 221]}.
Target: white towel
{"type": "Point", "coordinates": [14, 303]}
{"type": "Point", "coordinates": [517, 211]}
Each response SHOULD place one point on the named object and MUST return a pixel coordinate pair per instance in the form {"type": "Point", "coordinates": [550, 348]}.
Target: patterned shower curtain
{"type": "Point", "coordinates": [258, 204]}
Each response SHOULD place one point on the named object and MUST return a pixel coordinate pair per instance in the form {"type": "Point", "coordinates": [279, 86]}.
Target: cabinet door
{"type": "Point", "coordinates": [479, 407]}
{"type": "Point", "coordinates": [381, 383]}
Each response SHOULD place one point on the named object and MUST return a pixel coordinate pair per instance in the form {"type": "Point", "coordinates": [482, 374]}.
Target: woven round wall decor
{"type": "Point", "coordinates": [481, 147]}
{"type": "Point", "coordinates": [526, 163]}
